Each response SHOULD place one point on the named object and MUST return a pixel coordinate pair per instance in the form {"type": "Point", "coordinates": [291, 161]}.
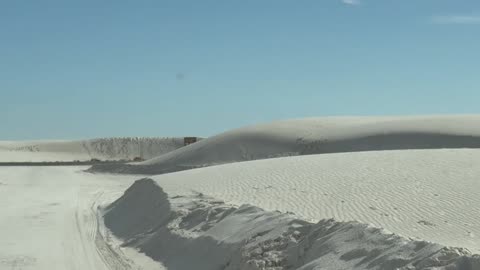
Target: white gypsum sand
{"type": "Point", "coordinates": [48, 220]}
{"type": "Point", "coordinates": [424, 194]}
{"type": "Point", "coordinates": [314, 136]}
{"type": "Point", "coordinates": [224, 217]}
{"type": "Point", "coordinates": [194, 231]}
{"type": "Point", "coordinates": [83, 150]}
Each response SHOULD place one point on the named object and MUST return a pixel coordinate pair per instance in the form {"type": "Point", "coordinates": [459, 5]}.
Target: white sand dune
{"type": "Point", "coordinates": [424, 194]}
{"type": "Point", "coordinates": [196, 232]}
{"type": "Point", "coordinates": [315, 136]}
{"type": "Point", "coordinates": [104, 149]}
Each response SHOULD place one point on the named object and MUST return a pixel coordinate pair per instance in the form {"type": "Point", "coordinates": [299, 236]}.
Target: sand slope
{"type": "Point", "coordinates": [315, 136]}
{"type": "Point", "coordinates": [425, 194]}
{"type": "Point", "coordinates": [104, 149]}
{"type": "Point", "coordinates": [197, 232]}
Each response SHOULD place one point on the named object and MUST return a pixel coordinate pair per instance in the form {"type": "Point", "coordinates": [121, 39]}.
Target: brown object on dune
{"type": "Point", "coordinates": [189, 140]}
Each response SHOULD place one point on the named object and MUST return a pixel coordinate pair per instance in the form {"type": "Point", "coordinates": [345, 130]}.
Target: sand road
{"type": "Point", "coordinates": [48, 219]}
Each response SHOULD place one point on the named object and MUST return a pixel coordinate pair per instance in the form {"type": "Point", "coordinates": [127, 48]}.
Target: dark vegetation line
{"type": "Point", "coordinates": [67, 163]}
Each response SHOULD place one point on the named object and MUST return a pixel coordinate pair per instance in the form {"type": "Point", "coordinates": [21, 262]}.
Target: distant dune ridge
{"type": "Point", "coordinates": [314, 136]}
{"type": "Point", "coordinates": [126, 148]}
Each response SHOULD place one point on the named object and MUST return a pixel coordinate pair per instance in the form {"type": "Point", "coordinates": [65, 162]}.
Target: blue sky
{"type": "Point", "coordinates": [83, 69]}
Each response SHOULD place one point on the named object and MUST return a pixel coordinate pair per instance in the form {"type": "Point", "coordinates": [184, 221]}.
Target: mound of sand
{"type": "Point", "coordinates": [315, 136]}
{"type": "Point", "coordinates": [424, 194]}
{"type": "Point", "coordinates": [103, 149]}
{"type": "Point", "coordinates": [197, 232]}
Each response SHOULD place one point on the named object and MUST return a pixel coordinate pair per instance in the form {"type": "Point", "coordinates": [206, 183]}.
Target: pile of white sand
{"type": "Point", "coordinates": [103, 149]}
{"type": "Point", "coordinates": [197, 232]}
{"type": "Point", "coordinates": [315, 136]}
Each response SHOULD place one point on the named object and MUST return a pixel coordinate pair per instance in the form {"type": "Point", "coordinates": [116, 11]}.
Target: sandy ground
{"type": "Point", "coordinates": [48, 220]}
{"type": "Point", "coordinates": [50, 216]}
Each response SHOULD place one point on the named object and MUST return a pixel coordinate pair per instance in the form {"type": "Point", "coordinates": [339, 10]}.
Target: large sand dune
{"type": "Point", "coordinates": [315, 136]}
{"type": "Point", "coordinates": [104, 149]}
{"type": "Point", "coordinates": [424, 194]}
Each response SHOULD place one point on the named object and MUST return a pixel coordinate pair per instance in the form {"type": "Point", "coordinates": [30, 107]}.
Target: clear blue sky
{"type": "Point", "coordinates": [82, 69]}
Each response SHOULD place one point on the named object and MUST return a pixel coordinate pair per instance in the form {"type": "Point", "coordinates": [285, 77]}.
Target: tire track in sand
{"type": "Point", "coordinates": [96, 250]}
